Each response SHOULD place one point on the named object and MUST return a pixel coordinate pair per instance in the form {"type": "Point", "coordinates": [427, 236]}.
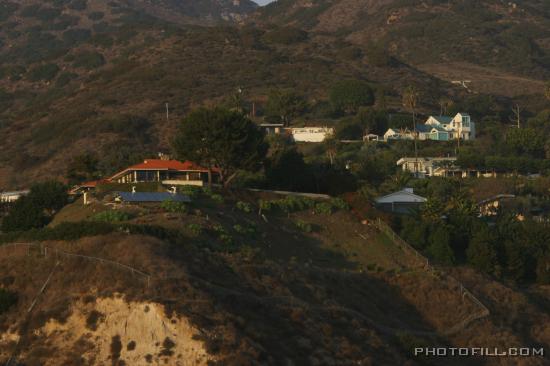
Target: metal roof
{"type": "Point", "coordinates": [403, 196]}
{"type": "Point", "coordinates": [14, 193]}
{"type": "Point", "coordinates": [443, 119]}
{"type": "Point", "coordinates": [151, 197]}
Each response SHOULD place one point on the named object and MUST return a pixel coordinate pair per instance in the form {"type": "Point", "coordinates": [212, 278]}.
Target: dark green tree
{"type": "Point", "coordinates": [348, 95]}
{"type": "Point", "coordinates": [83, 167]}
{"type": "Point", "coordinates": [482, 253]}
{"type": "Point", "coordinates": [440, 248]}
{"type": "Point", "coordinates": [285, 104]}
{"type": "Point", "coordinates": [37, 208]}
{"type": "Point", "coordinates": [349, 129]}
{"type": "Point", "coordinates": [221, 139]}
{"type": "Point", "coordinates": [24, 215]}
{"type": "Point", "coordinates": [415, 232]}
{"type": "Point", "coordinates": [286, 170]}
{"type": "Point", "coordinates": [50, 196]}
{"type": "Point", "coordinates": [372, 120]}
{"type": "Point", "coordinates": [526, 141]}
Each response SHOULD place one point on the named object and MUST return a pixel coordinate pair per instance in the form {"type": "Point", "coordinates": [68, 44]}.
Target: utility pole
{"type": "Point", "coordinates": [517, 115]}
{"type": "Point", "coordinates": [410, 100]}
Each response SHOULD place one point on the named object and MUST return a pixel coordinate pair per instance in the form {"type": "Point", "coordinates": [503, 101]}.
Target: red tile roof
{"type": "Point", "coordinates": [157, 164]}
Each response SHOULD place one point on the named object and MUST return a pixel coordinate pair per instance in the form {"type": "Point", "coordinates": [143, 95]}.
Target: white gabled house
{"type": "Point", "coordinates": [460, 126]}
{"type": "Point", "coordinates": [425, 167]}
{"type": "Point", "coordinates": [398, 134]}
{"type": "Point", "coordinates": [438, 128]}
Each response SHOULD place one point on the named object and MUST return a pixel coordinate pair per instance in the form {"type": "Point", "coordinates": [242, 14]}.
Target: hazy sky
{"type": "Point", "coordinates": [263, 2]}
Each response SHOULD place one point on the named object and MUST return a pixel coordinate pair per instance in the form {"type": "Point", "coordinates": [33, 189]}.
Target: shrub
{"type": "Point", "coordinates": [195, 229]}
{"type": "Point", "coordinates": [323, 208]}
{"type": "Point", "coordinates": [7, 300]}
{"type": "Point", "coordinates": [265, 205]}
{"type": "Point", "coordinates": [96, 15]}
{"type": "Point", "coordinates": [112, 216]}
{"type": "Point", "coordinates": [89, 60]}
{"type": "Point", "coordinates": [244, 206]}
{"type": "Point", "coordinates": [175, 207]}
{"type": "Point", "coordinates": [64, 79]}
{"type": "Point", "coordinates": [286, 36]}
{"type": "Point", "coordinates": [223, 235]}
{"type": "Point", "coordinates": [295, 203]}
{"type": "Point", "coordinates": [339, 204]}
{"type": "Point", "coordinates": [191, 191]}
{"type": "Point", "coordinates": [304, 226]}
{"type": "Point", "coordinates": [76, 35]}
{"type": "Point", "coordinates": [218, 198]}
{"type": "Point", "coordinates": [78, 4]}
{"type": "Point", "coordinates": [245, 230]}
{"type": "Point", "coordinates": [226, 239]}
{"type": "Point", "coordinates": [349, 95]}
{"type": "Point", "coordinates": [43, 72]}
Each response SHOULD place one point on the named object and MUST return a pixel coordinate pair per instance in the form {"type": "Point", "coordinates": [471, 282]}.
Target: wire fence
{"type": "Point", "coordinates": [284, 300]}
{"type": "Point", "coordinates": [57, 253]}
{"type": "Point", "coordinates": [425, 264]}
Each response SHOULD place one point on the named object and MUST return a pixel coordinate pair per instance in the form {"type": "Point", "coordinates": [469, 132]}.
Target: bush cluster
{"type": "Point", "coordinates": [291, 204]}
{"type": "Point", "coordinates": [174, 207]}
{"type": "Point", "coordinates": [112, 216]}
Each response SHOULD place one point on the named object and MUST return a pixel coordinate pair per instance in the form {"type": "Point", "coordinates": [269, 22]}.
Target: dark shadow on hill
{"type": "Point", "coordinates": [270, 312]}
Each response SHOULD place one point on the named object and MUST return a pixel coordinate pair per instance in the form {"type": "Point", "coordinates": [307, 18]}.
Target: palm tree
{"type": "Point", "coordinates": [410, 101]}
{"type": "Point", "coordinates": [444, 103]}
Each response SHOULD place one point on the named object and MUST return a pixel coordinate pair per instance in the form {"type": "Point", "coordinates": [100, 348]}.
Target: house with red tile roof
{"type": "Point", "coordinates": [168, 172]}
{"type": "Point", "coordinates": [171, 172]}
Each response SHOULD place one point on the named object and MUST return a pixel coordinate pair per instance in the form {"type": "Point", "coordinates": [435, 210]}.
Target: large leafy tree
{"type": "Point", "coordinates": [285, 104]}
{"type": "Point", "coordinates": [82, 168]}
{"type": "Point", "coordinates": [220, 139]}
{"type": "Point", "coordinates": [348, 95]}
{"type": "Point", "coordinates": [286, 170]}
{"type": "Point", "coordinates": [37, 208]}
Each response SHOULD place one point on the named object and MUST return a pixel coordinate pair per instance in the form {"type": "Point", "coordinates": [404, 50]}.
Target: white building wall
{"type": "Point", "coordinates": [311, 134]}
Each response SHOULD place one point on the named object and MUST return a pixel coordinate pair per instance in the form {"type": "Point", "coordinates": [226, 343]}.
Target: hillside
{"type": "Point", "coordinates": [81, 76]}
{"type": "Point", "coordinates": [97, 89]}
{"type": "Point", "coordinates": [491, 33]}
{"type": "Point", "coordinates": [341, 292]}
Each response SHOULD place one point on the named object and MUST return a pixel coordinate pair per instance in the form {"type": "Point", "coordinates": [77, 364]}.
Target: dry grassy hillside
{"type": "Point", "coordinates": [79, 76]}
{"type": "Point", "coordinates": [437, 36]}
{"type": "Point", "coordinates": [340, 294]}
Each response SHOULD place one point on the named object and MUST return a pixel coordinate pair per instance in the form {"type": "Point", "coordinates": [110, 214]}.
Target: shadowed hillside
{"type": "Point", "coordinates": [227, 286]}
